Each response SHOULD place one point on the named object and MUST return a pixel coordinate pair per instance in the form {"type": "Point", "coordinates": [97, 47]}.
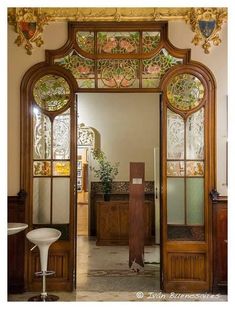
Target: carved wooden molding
{"type": "Point", "coordinates": [29, 22]}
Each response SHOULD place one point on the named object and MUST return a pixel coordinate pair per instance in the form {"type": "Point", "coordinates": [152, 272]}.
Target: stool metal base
{"type": "Point", "coordinates": [48, 297]}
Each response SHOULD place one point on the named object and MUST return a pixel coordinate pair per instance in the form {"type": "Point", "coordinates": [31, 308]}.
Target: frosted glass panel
{"type": "Point", "coordinates": [195, 200]}
{"type": "Point", "coordinates": [195, 136]}
{"type": "Point", "coordinates": [175, 136]}
{"type": "Point", "coordinates": [61, 199]}
{"type": "Point", "coordinates": [61, 136]}
{"type": "Point", "coordinates": [175, 201]}
{"type": "Point", "coordinates": [41, 200]}
{"type": "Point", "coordinates": [41, 135]}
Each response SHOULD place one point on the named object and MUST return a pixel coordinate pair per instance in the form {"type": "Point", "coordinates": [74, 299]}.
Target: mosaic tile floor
{"type": "Point", "coordinates": [103, 275]}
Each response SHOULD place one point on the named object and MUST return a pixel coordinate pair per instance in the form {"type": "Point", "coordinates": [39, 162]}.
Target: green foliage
{"type": "Point", "coordinates": [106, 172]}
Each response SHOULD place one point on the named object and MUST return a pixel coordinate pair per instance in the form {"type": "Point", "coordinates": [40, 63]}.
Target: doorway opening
{"type": "Point", "coordinates": [126, 127]}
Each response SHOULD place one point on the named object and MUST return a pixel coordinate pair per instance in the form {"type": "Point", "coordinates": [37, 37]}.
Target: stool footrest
{"type": "Point", "coordinates": [46, 273]}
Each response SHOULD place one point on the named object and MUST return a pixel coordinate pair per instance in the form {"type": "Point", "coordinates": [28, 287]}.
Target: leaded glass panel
{"type": "Point", "coordinates": [51, 92]}
{"type": "Point", "coordinates": [195, 168]}
{"type": "Point", "coordinates": [83, 69]}
{"type": "Point", "coordinates": [175, 168]}
{"type": "Point", "coordinates": [118, 73]}
{"type": "Point", "coordinates": [42, 168]}
{"type": "Point", "coordinates": [175, 136]}
{"type": "Point", "coordinates": [61, 168]}
{"type": "Point", "coordinates": [117, 42]}
{"type": "Point", "coordinates": [61, 136]}
{"type": "Point", "coordinates": [185, 91]}
{"type": "Point", "coordinates": [155, 67]}
{"type": "Point", "coordinates": [150, 41]}
{"type": "Point", "coordinates": [41, 135]}
{"type": "Point", "coordinates": [85, 40]}
{"type": "Point", "coordinates": [195, 136]}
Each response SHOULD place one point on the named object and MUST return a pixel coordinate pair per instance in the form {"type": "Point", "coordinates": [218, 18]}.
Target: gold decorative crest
{"type": "Point", "coordinates": [28, 23]}
{"type": "Point", "coordinates": [206, 23]}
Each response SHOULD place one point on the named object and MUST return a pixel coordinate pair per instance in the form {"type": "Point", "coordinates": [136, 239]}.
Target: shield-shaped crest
{"type": "Point", "coordinates": [28, 29]}
{"type": "Point", "coordinates": [207, 27]}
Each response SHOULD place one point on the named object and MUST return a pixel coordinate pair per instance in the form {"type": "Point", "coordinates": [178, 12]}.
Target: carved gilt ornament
{"type": "Point", "coordinates": [29, 22]}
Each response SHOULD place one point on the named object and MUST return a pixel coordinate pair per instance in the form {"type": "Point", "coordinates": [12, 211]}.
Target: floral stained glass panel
{"type": "Point", "coordinates": [175, 168]}
{"type": "Point", "coordinates": [61, 136]}
{"type": "Point", "coordinates": [117, 42]}
{"type": "Point", "coordinates": [83, 69]}
{"type": "Point", "coordinates": [41, 135]}
{"type": "Point", "coordinates": [42, 168]}
{"type": "Point", "coordinates": [155, 67]}
{"type": "Point", "coordinates": [61, 168]}
{"type": "Point", "coordinates": [185, 91]}
{"type": "Point", "coordinates": [195, 168]}
{"type": "Point", "coordinates": [150, 41]}
{"type": "Point", "coordinates": [175, 136]}
{"type": "Point", "coordinates": [85, 40]}
{"type": "Point", "coordinates": [118, 73]}
{"type": "Point", "coordinates": [51, 92]}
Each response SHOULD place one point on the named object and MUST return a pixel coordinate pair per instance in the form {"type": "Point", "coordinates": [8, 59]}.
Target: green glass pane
{"type": "Point", "coordinates": [41, 200]}
{"type": "Point", "coordinates": [175, 201]}
{"type": "Point", "coordinates": [195, 201]}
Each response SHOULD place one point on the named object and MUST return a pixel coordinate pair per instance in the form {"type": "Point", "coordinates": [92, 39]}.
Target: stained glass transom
{"type": "Point", "coordinates": [150, 41]}
{"type": "Point", "coordinates": [85, 40]}
{"type": "Point", "coordinates": [155, 67]}
{"type": "Point", "coordinates": [118, 42]}
{"type": "Point", "coordinates": [51, 92]}
{"type": "Point", "coordinates": [83, 69]}
{"type": "Point", "coordinates": [185, 91]}
{"type": "Point", "coordinates": [118, 73]}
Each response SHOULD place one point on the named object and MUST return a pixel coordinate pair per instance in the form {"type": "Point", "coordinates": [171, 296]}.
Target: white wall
{"type": "Point", "coordinates": [55, 36]}
{"type": "Point", "coordinates": [128, 124]}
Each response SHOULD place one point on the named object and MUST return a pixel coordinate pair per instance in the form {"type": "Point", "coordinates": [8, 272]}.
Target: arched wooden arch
{"type": "Point", "coordinates": [186, 266]}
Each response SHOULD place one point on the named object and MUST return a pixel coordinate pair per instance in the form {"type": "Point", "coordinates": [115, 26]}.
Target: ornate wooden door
{"type": "Point", "coordinates": [48, 175]}
{"type": "Point", "coordinates": [187, 177]}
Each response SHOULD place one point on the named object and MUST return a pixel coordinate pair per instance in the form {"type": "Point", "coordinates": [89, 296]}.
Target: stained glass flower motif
{"type": "Point", "coordinates": [185, 91]}
{"type": "Point", "coordinates": [51, 92]}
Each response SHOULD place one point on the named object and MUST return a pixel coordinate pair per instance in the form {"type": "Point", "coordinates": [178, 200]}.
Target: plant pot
{"type": "Point", "coordinates": [107, 197]}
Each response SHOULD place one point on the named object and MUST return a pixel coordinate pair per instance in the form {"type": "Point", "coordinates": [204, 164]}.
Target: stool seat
{"type": "Point", "coordinates": [43, 238]}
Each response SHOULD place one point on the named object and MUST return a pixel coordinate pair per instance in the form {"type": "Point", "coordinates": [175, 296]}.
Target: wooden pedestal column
{"type": "Point", "coordinates": [136, 217]}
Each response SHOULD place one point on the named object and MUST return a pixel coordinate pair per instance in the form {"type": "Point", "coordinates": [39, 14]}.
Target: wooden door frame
{"type": "Point", "coordinates": [48, 66]}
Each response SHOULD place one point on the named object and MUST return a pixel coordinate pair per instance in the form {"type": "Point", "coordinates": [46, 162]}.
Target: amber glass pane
{"type": "Point", "coordinates": [117, 42]}
{"type": "Point", "coordinates": [41, 168]}
{"type": "Point", "coordinates": [118, 74]}
{"type": "Point", "coordinates": [155, 67]}
{"type": "Point", "coordinates": [195, 168]}
{"type": "Point", "coordinates": [41, 200]}
{"type": "Point", "coordinates": [150, 41]}
{"type": "Point", "coordinates": [185, 91]}
{"type": "Point", "coordinates": [61, 168]}
{"type": "Point", "coordinates": [195, 136]}
{"type": "Point", "coordinates": [175, 168]}
{"type": "Point", "coordinates": [83, 69]}
{"type": "Point", "coordinates": [51, 92]}
{"type": "Point", "coordinates": [85, 40]}
{"type": "Point", "coordinates": [175, 136]}
{"type": "Point", "coordinates": [61, 136]}
{"type": "Point", "coordinates": [41, 135]}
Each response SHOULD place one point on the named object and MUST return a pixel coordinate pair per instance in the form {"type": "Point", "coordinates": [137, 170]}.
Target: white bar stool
{"type": "Point", "coordinates": [43, 238]}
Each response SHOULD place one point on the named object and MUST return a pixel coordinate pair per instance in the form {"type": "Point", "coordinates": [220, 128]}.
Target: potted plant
{"type": "Point", "coordinates": [106, 172]}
